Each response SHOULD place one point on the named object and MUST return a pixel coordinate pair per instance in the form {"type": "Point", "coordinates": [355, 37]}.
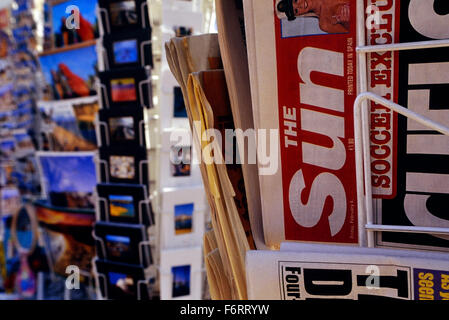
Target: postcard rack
{"type": "Point", "coordinates": [367, 227]}
{"type": "Point", "coordinates": [124, 228]}
{"type": "Point", "coordinates": [182, 213]}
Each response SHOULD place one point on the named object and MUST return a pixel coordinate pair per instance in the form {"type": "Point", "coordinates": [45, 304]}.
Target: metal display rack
{"type": "Point", "coordinates": [367, 227]}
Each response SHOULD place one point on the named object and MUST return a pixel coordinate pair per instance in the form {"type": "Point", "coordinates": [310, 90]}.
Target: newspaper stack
{"type": "Point", "coordinates": [313, 271]}
{"type": "Point", "coordinates": [305, 74]}
{"type": "Point", "coordinates": [196, 63]}
{"type": "Point", "coordinates": [304, 82]}
{"type": "Point", "coordinates": [210, 103]}
{"type": "Point", "coordinates": [294, 69]}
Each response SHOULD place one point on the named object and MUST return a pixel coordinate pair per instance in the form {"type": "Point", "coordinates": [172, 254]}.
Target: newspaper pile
{"type": "Point", "coordinates": [313, 271]}
{"type": "Point", "coordinates": [291, 67]}
{"type": "Point", "coordinates": [313, 198]}
{"type": "Point", "coordinates": [196, 63]}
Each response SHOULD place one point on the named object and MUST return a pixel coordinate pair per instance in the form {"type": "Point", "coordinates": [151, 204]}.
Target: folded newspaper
{"type": "Point", "coordinates": [184, 56]}
{"type": "Point", "coordinates": [192, 61]}
{"type": "Point", "coordinates": [313, 271]}
{"type": "Point", "coordinates": [210, 109]}
{"type": "Point", "coordinates": [231, 37]}
{"type": "Point", "coordinates": [219, 284]}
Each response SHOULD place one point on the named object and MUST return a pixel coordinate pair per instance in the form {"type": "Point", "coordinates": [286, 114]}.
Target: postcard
{"type": "Point", "coordinates": [7, 148]}
{"type": "Point", "coordinates": [124, 203]}
{"type": "Point", "coordinates": [121, 127]}
{"type": "Point", "coordinates": [71, 73]}
{"type": "Point", "coordinates": [6, 173]}
{"type": "Point", "coordinates": [69, 125]}
{"type": "Point", "coordinates": [123, 243]}
{"type": "Point", "coordinates": [178, 165]}
{"type": "Point", "coordinates": [124, 15]}
{"type": "Point", "coordinates": [88, 25]}
{"type": "Point", "coordinates": [183, 218]}
{"type": "Point", "coordinates": [126, 88]}
{"type": "Point", "coordinates": [24, 144]}
{"type": "Point", "coordinates": [172, 109]}
{"type": "Point", "coordinates": [122, 167]}
{"type": "Point", "coordinates": [68, 178]}
{"type": "Point", "coordinates": [183, 212]}
{"type": "Point", "coordinates": [181, 158]}
{"type": "Point", "coordinates": [67, 234]}
{"type": "Point", "coordinates": [119, 165]}
{"type": "Point", "coordinates": [121, 206]}
{"type": "Point", "coordinates": [10, 200]}
{"type": "Point", "coordinates": [181, 281]}
{"type": "Point", "coordinates": [125, 50]}
{"type": "Point", "coordinates": [121, 281]}
{"type": "Point", "coordinates": [123, 89]}
{"type": "Point", "coordinates": [181, 275]}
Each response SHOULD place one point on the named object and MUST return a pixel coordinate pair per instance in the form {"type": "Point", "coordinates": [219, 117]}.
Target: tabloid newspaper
{"type": "Point", "coordinates": [303, 82]}
{"type": "Point", "coordinates": [314, 271]}
{"type": "Point", "coordinates": [303, 70]}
